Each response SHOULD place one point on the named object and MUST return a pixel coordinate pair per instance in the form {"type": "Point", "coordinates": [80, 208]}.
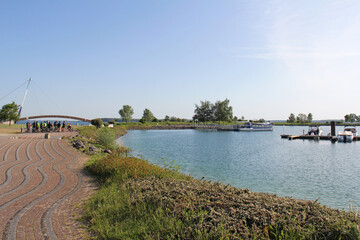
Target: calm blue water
{"type": "Point", "coordinates": [260, 161]}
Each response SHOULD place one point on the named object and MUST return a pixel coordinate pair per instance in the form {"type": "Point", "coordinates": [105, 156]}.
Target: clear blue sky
{"type": "Point", "coordinates": [270, 58]}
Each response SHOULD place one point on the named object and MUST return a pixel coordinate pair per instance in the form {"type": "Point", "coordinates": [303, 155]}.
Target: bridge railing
{"type": "Point", "coordinates": [54, 116]}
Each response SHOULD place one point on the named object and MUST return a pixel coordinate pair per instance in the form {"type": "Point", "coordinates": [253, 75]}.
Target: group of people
{"type": "Point", "coordinates": [48, 126]}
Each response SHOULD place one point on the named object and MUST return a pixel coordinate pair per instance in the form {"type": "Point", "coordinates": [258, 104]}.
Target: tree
{"type": "Point", "coordinates": [167, 118]}
{"type": "Point", "coordinates": [97, 122]}
{"type": "Point", "coordinates": [222, 111]}
{"type": "Point", "coordinates": [291, 118]}
{"type": "Point", "coordinates": [204, 112]}
{"type": "Point", "coordinates": [309, 118]}
{"type": "Point", "coordinates": [148, 116]}
{"type": "Point", "coordinates": [9, 112]}
{"type": "Point", "coordinates": [352, 117]}
{"type": "Point", "coordinates": [126, 113]}
{"type": "Point", "coordinates": [301, 118]}
{"type": "Point", "coordinates": [261, 120]}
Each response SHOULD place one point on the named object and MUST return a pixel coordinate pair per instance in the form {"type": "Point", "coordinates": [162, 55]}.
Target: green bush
{"type": "Point", "coordinates": [106, 137]}
{"type": "Point", "coordinates": [97, 122]}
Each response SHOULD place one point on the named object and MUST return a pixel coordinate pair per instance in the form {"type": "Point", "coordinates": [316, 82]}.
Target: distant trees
{"type": "Point", "coordinates": [220, 111]}
{"type": "Point", "coordinates": [9, 112]}
{"type": "Point", "coordinates": [309, 118]}
{"type": "Point", "coordinates": [352, 117]}
{"type": "Point", "coordinates": [126, 113]}
{"type": "Point", "coordinates": [291, 118]}
{"type": "Point", "coordinates": [300, 118]}
{"type": "Point", "coordinates": [173, 119]}
{"type": "Point", "coordinates": [148, 116]}
{"type": "Point", "coordinates": [205, 111]}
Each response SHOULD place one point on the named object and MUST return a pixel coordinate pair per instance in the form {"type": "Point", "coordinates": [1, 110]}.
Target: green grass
{"type": "Point", "coordinates": [13, 126]}
{"type": "Point", "coordinates": [139, 200]}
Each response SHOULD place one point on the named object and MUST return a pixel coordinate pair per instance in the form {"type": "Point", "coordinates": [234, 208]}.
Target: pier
{"type": "Point", "coordinates": [331, 136]}
{"type": "Point", "coordinates": [314, 137]}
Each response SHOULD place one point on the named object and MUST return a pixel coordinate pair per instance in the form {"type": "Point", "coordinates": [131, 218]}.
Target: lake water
{"type": "Point", "coordinates": [260, 161]}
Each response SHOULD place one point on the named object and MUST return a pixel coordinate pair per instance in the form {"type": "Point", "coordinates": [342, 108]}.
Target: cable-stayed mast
{"type": "Point", "coordinates": [26, 91]}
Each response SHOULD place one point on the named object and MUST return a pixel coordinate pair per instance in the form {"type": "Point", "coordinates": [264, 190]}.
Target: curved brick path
{"type": "Point", "coordinates": [42, 185]}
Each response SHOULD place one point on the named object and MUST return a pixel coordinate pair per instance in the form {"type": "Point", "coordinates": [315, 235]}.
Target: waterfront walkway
{"type": "Point", "coordinates": [42, 184]}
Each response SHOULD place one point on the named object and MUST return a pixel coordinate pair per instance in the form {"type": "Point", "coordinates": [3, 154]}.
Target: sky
{"type": "Point", "coordinates": [88, 58]}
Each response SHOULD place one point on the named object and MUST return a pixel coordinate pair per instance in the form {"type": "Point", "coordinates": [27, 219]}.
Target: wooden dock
{"type": "Point", "coordinates": [314, 137]}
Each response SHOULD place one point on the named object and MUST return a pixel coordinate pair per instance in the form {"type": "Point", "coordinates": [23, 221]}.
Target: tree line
{"type": "Point", "coordinates": [352, 117]}
{"type": "Point", "coordinates": [211, 112]}
{"type": "Point", "coordinates": [300, 118]}
{"type": "Point", "coordinates": [204, 112]}
{"type": "Point", "coordinates": [127, 112]}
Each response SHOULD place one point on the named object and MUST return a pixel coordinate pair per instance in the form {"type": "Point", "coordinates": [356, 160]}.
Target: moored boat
{"type": "Point", "coordinates": [347, 135]}
{"type": "Point", "coordinates": [250, 126]}
{"type": "Point", "coordinates": [314, 130]}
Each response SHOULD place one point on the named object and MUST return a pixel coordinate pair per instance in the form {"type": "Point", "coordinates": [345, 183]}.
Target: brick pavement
{"type": "Point", "coordinates": [42, 186]}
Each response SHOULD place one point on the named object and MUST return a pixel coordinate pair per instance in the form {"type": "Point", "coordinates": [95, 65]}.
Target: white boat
{"type": "Point", "coordinates": [351, 129]}
{"type": "Point", "coordinates": [315, 130]}
{"type": "Point", "coordinates": [249, 126]}
{"type": "Point", "coordinates": [347, 135]}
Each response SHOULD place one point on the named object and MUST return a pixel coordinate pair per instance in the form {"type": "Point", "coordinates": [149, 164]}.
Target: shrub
{"type": "Point", "coordinates": [97, 122]}
{"type": "Point", "coordinates": [106, 137]}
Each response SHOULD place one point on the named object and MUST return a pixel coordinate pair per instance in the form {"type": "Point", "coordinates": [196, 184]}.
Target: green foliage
{"type": "Point", "coordinates": [352, 117]}
{"type": "Point", "coordinates": [156, 120]}
{"type": "Point", "coordinates": [220, 111]}
{"type": "Point", "coordinates": [309, 118]}
{"type": "Point", "coordinates": [97, 122]}
{"type": "Point", "coordinates": [175, 119]}
{"type": "Point", "coordinates": [167, 118]}
{"type": "Point", "coordinates": [9, 112]}
{"type": "Point", "coordinates": [123, 212]}
{"type": "Point", "coordinates": [92, 134]}
{"type": "Point", "coordinates": [170, 165]}
{"type": "Point", "coordinates": [204, 112]}
{"type": "Point", "coordinates": [106, 137]}
{"type": "Point", "coordinates": [223, 112]}
{"type": "Point", "coordinates": [121, 163]}
{"type": "Point", "coordinates": [148, 116]}
{"type": "Point", "coordinates": [301, 118]}
{"type": "Point", "coordinates": [126, 113]}
{"type": "Point", "coordinates": [291, 118]}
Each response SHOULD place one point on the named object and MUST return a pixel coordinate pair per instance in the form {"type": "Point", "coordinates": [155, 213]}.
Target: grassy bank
{"type": "Point", "coordinates": [13, 129]}
{"type": "Point", "coordinates": [139, 200]}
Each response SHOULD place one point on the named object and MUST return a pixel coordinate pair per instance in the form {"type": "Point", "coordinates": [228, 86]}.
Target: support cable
{"type": "Point", "coordinates": [14, 90]}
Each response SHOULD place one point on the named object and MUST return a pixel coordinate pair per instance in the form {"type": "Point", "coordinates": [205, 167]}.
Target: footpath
{"type": "Point", "coordinates": [42, 186]}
